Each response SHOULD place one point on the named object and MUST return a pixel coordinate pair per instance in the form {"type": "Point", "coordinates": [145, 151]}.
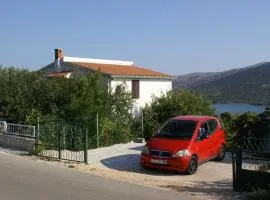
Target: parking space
{"type": "Point", "coordinates": [213, 179]}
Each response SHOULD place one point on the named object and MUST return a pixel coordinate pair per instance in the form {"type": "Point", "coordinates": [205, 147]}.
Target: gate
{"type": "Point", "coordinates": [251, 164]}
{"type": "Point", "coordinates": [62, 140]}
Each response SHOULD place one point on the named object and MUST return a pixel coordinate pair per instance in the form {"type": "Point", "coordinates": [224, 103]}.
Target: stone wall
{"type": "Point", "coordinates": [20, 143]}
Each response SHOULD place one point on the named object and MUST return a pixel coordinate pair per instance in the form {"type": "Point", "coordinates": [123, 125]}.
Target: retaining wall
{"type": "Point", "coordinates": [20, 143]}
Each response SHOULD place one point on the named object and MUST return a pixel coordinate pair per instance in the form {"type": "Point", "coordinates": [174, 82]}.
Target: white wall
{"type": "Point", "coordinates": [115, 83]}
{"type": "Point", "coordinates": [148, 89]}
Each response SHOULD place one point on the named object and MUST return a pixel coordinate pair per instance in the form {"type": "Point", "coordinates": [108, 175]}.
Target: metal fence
{"type": "Point", "coordinates": [110, 133]}
{"type": "Point", "coordinates": [3, 126]}
{"type": "Point", "coordinates": [251, 164]}
{"type": "Point", "coordinates": [256, 146]}
{"type": "Point", "coordinates": [63, 140]}
{"type": "Point", "coordinates": [67, 139]}
{"type": "Point", "coordinates": [18, 129]}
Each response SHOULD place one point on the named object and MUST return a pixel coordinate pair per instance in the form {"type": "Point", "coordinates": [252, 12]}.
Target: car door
{"type": "Point", "coordinates": [213, 136]}
{"type": "Point", "coordinates": [203, 144]}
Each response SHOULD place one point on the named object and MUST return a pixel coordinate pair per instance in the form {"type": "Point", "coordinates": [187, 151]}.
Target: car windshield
{"type": "Point", "coordinates": [177, 129]}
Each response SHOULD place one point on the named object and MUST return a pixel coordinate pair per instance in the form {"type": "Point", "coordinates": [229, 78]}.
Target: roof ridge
{"type": "Point", "coordinates": [97, 61]}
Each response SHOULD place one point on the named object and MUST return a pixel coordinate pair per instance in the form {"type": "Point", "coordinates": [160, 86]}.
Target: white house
{"type": "Point", "coordinates": [141, 82]}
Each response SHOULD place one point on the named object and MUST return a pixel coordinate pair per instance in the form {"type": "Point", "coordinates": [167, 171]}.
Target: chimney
{"type": "Point", "coordinates": [58, 56]}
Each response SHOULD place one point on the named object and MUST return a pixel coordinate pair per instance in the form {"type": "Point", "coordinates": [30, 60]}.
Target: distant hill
{"type": "Point", "coordinates": [244, 85]}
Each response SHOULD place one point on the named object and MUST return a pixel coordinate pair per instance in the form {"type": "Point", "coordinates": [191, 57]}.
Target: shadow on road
{"type": "Point", "coordinates": [227, 159]}
{"type": "Point", "coordinates": [221, 189]}
{"type": "Point", "coordinates": [139, 148]}
{"type": "Point", "coordinates": [130, 163]}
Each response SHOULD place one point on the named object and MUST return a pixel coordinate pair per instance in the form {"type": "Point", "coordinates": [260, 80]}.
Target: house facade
{"type": "Point", "coordinates": [143, 83]}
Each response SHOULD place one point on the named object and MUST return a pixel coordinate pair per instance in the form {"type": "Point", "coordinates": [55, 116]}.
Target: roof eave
{"type": "Point", "coordinates": [123, 76]}
{"type": "Point", "coordinates": [142, 77]}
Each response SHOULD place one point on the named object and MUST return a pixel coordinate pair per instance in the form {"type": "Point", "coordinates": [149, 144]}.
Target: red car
{"type": "Point", "coordinates": [183, 143]}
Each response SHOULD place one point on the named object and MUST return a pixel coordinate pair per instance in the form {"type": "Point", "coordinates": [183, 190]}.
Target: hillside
{"type": "Point", "coordinates": [244, 85]}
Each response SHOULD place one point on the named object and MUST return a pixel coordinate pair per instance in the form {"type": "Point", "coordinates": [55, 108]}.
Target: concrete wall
{"type": "Point", "coordinates": [148, 88]}
{"type": "Point", "coordinates": [20, 143]}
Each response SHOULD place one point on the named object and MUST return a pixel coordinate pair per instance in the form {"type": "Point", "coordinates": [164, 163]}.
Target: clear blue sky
{"type": "Point", "coordinates": [171, 36]}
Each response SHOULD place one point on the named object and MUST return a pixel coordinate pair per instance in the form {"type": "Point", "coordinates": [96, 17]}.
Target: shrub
{"type": "Point", "coordinates": [174, 104]}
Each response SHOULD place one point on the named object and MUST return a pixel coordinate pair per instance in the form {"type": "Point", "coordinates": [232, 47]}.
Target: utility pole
{"type": "Point", "coordinates": [142, 125]}
{"type": "Point", "coordinates": [97, 133]}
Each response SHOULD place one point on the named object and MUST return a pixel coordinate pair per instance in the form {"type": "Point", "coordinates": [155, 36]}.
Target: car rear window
{"type": "Point", "coordinates": [178, 129]}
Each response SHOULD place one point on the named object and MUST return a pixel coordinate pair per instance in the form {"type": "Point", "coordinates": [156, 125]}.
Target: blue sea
{"type": "Point", "coordinates": [238, 108]}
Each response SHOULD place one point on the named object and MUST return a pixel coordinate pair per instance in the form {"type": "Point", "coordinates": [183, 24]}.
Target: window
{"type": "Point", "coordinates": [177, 129]}
{"type": "Point", "coordinates": [135, 89]}
{"type": "Point", "coordinates": [212, 123]}
{"type": "Point", "coordinates": [203, 130]}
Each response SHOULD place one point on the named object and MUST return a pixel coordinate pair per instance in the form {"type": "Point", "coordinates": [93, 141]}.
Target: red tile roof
{"type": "Point", "coordinates": [122, 70]}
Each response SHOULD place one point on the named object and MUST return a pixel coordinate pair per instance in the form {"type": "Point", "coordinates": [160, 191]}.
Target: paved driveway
{"type": "Point", "coordinates": [212, 180]}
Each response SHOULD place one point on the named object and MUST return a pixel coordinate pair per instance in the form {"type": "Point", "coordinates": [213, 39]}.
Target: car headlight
{"type": "Point", "coordinates": [145, 150]}
{"type": "Point", "coordinates": [181, 153]}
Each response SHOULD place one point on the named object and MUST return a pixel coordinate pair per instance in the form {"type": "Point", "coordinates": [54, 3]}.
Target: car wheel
{"type": "Point", "coordinates": [144, 167]}
{"type": "Point", "coordinates": [192, 165]}
{"type": "Point", "coordinates": [221, 153]}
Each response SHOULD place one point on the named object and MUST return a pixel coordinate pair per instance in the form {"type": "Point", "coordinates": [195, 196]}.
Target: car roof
{"type": "Point", "coordinates": [194, 117]}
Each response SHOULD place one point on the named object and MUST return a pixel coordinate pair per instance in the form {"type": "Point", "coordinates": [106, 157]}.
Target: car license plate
{"type": "Point", "coordinates": [161, 162]}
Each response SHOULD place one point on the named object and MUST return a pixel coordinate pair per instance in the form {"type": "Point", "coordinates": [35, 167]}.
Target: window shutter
{"type": "Point", "coordinates": [135, 89]}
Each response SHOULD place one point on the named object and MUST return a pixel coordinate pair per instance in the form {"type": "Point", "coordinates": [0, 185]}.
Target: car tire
{"type": "Point", "coordinates": [192, 165]}
{"type": "Point", "coordinates": [145, 167]}
{"type": "Point", "coordinates": [221, 153]}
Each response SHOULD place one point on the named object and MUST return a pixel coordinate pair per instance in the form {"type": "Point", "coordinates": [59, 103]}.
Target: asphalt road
{"type": "Point", "coordinates": [24, 179]}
